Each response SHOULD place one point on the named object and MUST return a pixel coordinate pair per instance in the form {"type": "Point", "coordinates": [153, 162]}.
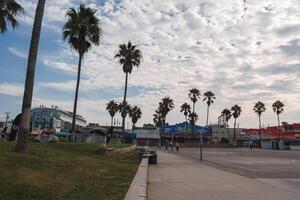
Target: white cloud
{"type": "Point", "coordinates": [11, 89]}
{"type": "Point", "coordinates": [17, 52]}
{"type": "Point", "coordinates": [195, 43]}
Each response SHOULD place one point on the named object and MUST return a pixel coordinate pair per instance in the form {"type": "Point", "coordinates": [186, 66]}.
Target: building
{"type": "Point", "coordinates": [221, 133]}
{"type": "Point", "coordinates": [286, 136]}
{"type": "Point", "coordinates": [148, 135]}
{"type": "Point", "coordinates": [55, 119]}
{"type": "Point", "coordinates": [185, 133]}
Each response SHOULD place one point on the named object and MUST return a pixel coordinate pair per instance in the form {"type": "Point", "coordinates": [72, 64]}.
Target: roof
{"type": "Point", "coordinates": [147, 136]}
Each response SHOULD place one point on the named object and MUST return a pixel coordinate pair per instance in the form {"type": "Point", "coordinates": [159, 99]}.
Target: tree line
{"type": "Point", "coordinates": [81, 31]}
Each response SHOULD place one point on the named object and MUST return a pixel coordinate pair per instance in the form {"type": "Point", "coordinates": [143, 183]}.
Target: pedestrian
{"type": "Point", "coordinates": [166, 145]}
{"type": "Point", "coordinates": [177, 146]}
{"type": "Point", "coordinates": [251, 145]}
{"type": "Point", "coordinates": [171, 146]}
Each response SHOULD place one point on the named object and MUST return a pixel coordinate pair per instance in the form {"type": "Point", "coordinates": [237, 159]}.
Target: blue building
{"type": "Point", "coordinates": [185, 133]}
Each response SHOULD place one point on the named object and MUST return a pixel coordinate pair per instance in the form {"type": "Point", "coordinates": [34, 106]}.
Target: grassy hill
{"type": "Point", "coordinates": [64, 171]}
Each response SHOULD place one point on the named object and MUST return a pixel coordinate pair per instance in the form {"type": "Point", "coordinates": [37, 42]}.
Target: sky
{"type": "Point", "coordinates": [243, 50]}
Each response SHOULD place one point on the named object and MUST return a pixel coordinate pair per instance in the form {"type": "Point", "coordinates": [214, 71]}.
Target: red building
{"type": "Point", "coordinates": [282, 137]}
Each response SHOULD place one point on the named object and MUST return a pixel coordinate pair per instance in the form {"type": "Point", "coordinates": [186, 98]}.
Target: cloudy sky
{"type": "Point", "coordinates": [242, 50]}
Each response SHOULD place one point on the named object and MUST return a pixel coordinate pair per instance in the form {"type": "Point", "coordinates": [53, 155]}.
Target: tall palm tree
{"type": "Point", "coordinates": [81, 30]}
{"type": "Point", "coordinates": [128, 56]}
{"type": "Point", "coordinates": [22, 143]}
{"type": "Point", "coordinates": [209, 97]}
{"type": "Point", "coordinates": [194, 95]}
{"type": "Point", "coordinates": [259, 108]}
{"type": "Point", "coordinates": [227, 114]}
{"type": "Point", "coordinates": [9, 9]}
{"type": "Point", "coordinates": [135, 113]}
{"type": "Point", "coordinates": [112, 108]}
{"type": "Point", "coordinates": [186, 109]}
{"type": "Point", "coordinates": [278, 108]}
{"type": "Point", "coordinates": [236, 112]}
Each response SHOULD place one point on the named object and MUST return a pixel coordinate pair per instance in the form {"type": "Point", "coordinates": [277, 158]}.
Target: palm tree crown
{"type": "Point", "coordinates": [9, 9]}
{"type": "Point", "coordinates": [194, 95]}
{"type": "Point", "coordinates": [259, 107]}
{"type": "Point", "coordinates": [124, 108]}
{"type": "Point", "coordinates": [278, 107]}
{"type": "Point", "coordinates": [167, 104]}
{"type": "Point", "coordinates": [112, 107]}
{"type": "Point", "coordinates": [135, 113]}
{"type": "Point", "coordinates": [82, 29]}
{"type": "Point", "coordinates": [129, 56]}
{"type": "Point", "coordinates": [193, 117]}
{"type": "Point", "coordinates": [227, 113]}
{"type": "Point", "coordinates": [236, 111]}
{"type": "Point", "coordinates": [185, 108]}
{"type": "Point", "coordinates": [209, 97]}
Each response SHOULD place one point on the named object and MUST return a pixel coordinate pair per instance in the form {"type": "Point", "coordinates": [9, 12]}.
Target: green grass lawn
{"type": "Point", "coordinates": [64, 171]}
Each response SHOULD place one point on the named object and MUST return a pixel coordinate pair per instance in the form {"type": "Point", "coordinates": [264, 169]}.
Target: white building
{"type": "Point", "coordinates": [54, 118]}
{"type": "Point", "coordinates": [221, 133]}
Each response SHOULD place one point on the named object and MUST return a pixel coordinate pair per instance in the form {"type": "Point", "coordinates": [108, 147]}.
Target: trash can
{"type": "Point", "coordinates": [153, 158]}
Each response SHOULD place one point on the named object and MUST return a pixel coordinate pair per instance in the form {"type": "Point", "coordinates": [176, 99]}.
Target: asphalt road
{"type": "Point", "coordinates": [260, 164]}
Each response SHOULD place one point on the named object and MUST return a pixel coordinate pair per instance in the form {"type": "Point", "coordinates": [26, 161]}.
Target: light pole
{"type": "Point", "coordinates": [201, 143]}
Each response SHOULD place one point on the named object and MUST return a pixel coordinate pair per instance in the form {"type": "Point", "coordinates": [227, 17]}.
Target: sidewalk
{"type": "Point", "coordinates": [177, 178]}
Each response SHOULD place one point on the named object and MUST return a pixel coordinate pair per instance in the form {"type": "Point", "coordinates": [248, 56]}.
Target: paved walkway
{"type": "Point", "coordinates": [177, 178]}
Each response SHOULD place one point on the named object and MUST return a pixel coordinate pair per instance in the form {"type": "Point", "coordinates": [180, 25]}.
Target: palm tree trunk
{"type": "Point", "coordinates": [124, 100]}
{"type": "Point", "coordinates": [228, 132]}
{"type": "Point", "coordinates": [278, 128]}
{"type": "Point", "coordinates": [22, 143]}
{"type": "Point", "coordinates": [76, 99]}
{"type": "Point", "coordinates": [111, 122]}
{"type": "Point", "coordinates": [234, 134]}
{"type": "Point", "coordinates": [207, 115]}
{"type": "Point", "coordinates": [186, 123]}
{"type": "Point", "coordinates": [260, 139]}
{"type": "Point", "coordinates": [132, 132]}
{"type": "Point", "coordinates": [193, 120]}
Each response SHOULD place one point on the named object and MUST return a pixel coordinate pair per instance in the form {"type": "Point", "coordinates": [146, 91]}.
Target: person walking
{"type": "Point", "coordinates": [177, 146]}
{"type": "Point", "coordinates": [251, 145]}
{"type": "Point", "coordinates": [171, 146]}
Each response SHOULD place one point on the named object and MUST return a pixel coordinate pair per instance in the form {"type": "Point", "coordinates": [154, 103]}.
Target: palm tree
{"type": "Point", "coordinates": [227, 114]}
{"type": "Point", "coordinates": [193, 117]}
{"type": "Point", "coordinates": [157, 119]}
{"type": "Point", "coordinates": [124, 109]}
{"type": "Point", "coordinates": [186, 109]}
{"type": "Point", "coordinates": [209, 97]}
{"type": "Point", "coordinates": [236, 112]}
{"type": "Point", "coordinates": [135, 113]}
{"type": "Point", "coordinates": [166, 105]}
{"type": "Point", "coordinates": [194, 95]}
{"type": "Point", "coordinates": [112, 108]}
{"type": "Point", "coordinates": [278, 108]}
{"type": "Point", "coordinates": [22, 143]}
{"type": "Point", "coordinates": [81, 30]}
{"type": "Point", "coordinates": [259, 108]}
{"type": "Point", "coordinates": [129, 56]}
{"type": "Point", "coordinates": [9, 9]}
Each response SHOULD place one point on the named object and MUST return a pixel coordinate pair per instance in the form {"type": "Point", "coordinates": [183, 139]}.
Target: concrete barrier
{"type": "Point", "coordinates": [111, 151]}
{"type": "Point", "coordinates": [139, 186]}
{"type": "Point", "coordinates": [295, 148]}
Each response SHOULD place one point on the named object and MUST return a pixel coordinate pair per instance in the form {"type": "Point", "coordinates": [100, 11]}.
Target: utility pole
{"type": "Point", "coordinates": [7, 118]}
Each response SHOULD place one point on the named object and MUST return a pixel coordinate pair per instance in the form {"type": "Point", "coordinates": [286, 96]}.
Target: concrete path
{"type": "Point", "coordinates": [178, 178]}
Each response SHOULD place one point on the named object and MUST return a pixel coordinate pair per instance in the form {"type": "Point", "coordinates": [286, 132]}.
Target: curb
{"type": "Point", "coordinates": [111, 151]}
{"type": "Point", "coordinates": [139, 186]}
